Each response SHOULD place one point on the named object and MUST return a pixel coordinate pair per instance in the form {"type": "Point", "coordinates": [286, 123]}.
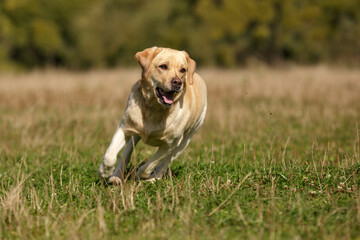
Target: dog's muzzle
{"type": "Point", "coordinates": [166, 98]}
{"type": "Point", "coordinates": [176, 84]}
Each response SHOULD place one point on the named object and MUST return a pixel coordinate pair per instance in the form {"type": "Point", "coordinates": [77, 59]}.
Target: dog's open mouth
{"type": "Point", "coordinates": [166, 98]}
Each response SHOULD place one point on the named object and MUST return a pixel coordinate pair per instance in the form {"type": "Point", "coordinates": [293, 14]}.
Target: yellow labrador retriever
{"type": "Point", "coordinates": [165, 108]}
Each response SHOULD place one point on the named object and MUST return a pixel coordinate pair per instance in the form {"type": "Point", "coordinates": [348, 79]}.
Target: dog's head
{"type": "Point", "coordinates": [165, 74]}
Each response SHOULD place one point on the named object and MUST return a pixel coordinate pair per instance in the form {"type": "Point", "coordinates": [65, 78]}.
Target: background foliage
{"type": "Point", "coordinates": [81, 34]}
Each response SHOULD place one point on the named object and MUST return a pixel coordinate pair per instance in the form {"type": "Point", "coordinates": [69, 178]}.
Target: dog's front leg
{"type": "Point", "coordinates": [145, 170]}
{"type": "Point", "coordinates": [118, 141]}
{"type": "Point", "coordinates": [119, 172]}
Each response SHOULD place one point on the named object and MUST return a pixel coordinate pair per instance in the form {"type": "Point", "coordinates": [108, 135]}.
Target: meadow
{"type": "Point", "coordinates": [277, 158]}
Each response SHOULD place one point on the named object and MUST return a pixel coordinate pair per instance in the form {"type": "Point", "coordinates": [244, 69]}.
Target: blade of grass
{"type": "Point", "coordinates": [231, 194]}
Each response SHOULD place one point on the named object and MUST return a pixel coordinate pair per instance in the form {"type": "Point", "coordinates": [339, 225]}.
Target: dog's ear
{"type": "Point", "coordinates": [191, 69]}
{"type": "Point", "coordinates": [146, 56]}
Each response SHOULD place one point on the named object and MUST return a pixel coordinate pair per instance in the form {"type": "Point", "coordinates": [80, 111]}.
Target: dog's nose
{"type": "Point", "coordinates": [176, 83]}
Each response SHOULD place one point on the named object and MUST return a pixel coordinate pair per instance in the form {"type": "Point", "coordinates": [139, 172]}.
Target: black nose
{"type": "Point", "coordinates": [176, 83]}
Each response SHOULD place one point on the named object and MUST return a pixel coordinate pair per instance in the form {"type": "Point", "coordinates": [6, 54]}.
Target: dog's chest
{"type": "Point", "coordinates": [156, 131]}
{"type": "Point", "coordinates": [155, 127]}
{"type": "Point", "coordinates": [156, 134]}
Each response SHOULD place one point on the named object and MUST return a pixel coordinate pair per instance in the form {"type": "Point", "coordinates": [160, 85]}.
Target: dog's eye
{"type": "Point", "coordinates": [163, 66]}
{"type": "Point", "coordinates": [182, 70]}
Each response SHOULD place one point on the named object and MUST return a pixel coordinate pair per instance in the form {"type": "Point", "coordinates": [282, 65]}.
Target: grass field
{"type": "Point", "coordinates": [277, 158]}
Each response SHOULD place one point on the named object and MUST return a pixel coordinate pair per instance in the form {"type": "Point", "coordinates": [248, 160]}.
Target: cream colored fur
{"type": "Point", "coordinates": [169, 127]}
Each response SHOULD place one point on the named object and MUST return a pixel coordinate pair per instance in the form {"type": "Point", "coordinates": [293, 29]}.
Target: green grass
{"type": "Point", "coordinates": [302, 154]}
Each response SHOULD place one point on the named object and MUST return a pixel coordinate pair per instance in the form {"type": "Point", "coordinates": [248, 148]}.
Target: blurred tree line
{"type": "Point", "coordinates": [80, 34]}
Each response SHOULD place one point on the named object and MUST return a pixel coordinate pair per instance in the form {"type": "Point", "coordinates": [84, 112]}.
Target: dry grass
{"type": "Point", "coordinates": [296, 130]}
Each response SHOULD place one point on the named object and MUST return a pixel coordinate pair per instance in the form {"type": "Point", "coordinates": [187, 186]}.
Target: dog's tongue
{"type": "Point", "coordinates": [168, 98]}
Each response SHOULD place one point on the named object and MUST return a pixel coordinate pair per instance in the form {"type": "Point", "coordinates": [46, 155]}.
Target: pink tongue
{"type": "Point", "coordinates": [168, 100]}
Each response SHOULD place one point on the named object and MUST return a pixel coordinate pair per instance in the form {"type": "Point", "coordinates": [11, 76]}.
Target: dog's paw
{"type": "Point", "coordinates": [142, 174]}
{"type": "Point", "coordinates": [105, 172]}
{"type": "Point", "coordinates": [114, 180]}
{"type": "Point", "coordinates": [152, 180]}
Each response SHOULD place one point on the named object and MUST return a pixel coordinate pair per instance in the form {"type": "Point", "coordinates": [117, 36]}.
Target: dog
{"type": "Point", "coordinates": [165, 108]}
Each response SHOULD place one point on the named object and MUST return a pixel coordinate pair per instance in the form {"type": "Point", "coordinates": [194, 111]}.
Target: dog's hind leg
{"type": "Point", "coordinates": [145, 170]}
{"type": "Point", "coordinates": [161, 169]}
{"type": "Point", "coordinates": [119, 172]}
